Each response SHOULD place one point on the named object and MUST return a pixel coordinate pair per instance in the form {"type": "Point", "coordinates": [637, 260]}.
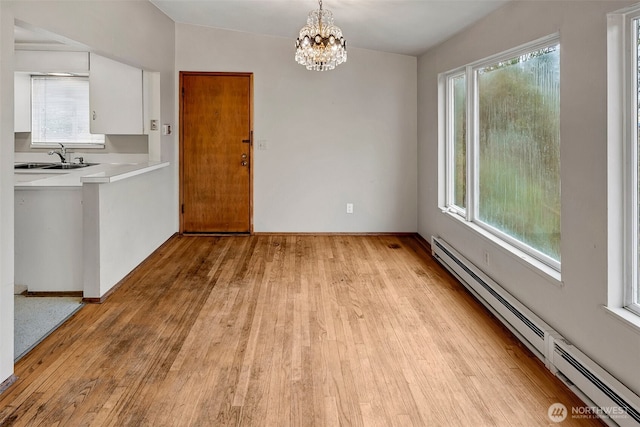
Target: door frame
{"type": "Point", "coordinates": [181, 142]}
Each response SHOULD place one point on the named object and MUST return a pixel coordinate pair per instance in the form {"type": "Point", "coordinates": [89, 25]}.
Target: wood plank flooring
{"type": "Point", "coordinates": [284, 331]}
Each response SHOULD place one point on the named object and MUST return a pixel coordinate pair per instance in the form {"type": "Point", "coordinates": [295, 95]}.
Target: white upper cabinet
{"type": "Point", "coordinates": [116, 97]}
{"type": "Point", "coordinates": [22, 102]}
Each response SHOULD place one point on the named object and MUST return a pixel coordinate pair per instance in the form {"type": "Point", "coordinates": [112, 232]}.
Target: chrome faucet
{"type": "Point", "coordinates": [62, 153]}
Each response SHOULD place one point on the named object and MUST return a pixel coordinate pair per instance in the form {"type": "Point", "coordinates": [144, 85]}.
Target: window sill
{"type": "Point", "coordinates": [69, 146]}
{"type": "Point", "coordinates": [624, 316]}
{"type": "Point", "coordinates": [548, 273]}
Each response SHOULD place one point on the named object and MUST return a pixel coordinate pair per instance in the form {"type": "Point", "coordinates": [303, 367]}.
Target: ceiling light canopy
{"type": "Point", "coordinates": [320, 45]}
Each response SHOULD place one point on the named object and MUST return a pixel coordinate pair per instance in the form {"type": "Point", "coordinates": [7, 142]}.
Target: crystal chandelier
{"type": "Point", "coordinates": [320, 45]}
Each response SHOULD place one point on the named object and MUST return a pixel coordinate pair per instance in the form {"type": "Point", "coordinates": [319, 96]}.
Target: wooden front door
{"type": "Point", "coordinates": [215, 146]}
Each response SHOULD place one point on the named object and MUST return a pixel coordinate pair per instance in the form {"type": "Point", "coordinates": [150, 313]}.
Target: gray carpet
{"type": "Point", "coordinates": [37, 317]}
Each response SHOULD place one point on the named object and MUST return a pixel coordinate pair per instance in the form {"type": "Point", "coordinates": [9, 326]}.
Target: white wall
{"type": "Point", "coordinates": [574, 309]}
{"type": "Point", "coordinates": [6, 197]}
{"type": "Point", "coordinates": [347, 135]}
{"type": "Point", "coordinates": [134, 32]}
{"type": "Point", "coordinates": [119, 228]}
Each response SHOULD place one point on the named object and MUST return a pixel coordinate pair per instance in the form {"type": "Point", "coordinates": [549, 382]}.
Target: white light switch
{"type": "Point", "coordinates": [262, 144]}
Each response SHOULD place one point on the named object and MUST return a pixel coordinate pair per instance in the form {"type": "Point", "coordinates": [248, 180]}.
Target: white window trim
{"type": "Point", "coordinates": [71, 145]}
{"type": "Point", "coordinates": [622, 173]}
{"type": "Point", "coordinates": [551, 275]}
{"type": "Point", "coordinates": [449, 146]}
{"type": "Point", "coordinates": [630, 169]}
{"type": "Point", "coordinates": [538, 260]}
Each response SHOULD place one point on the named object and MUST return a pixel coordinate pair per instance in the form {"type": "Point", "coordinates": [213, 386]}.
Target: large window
{"type": "Point", "coordinates": [631, 162]}
{"type": "Point", "coordinates": [60, 111]}
{"type": "Point", "coordinates": [623, 163]}
{"type": "Point", "coordinates": [623, 175]}
{"type": "Point", "coordinates": [634, 142]}
{"type": "Point", "coordinates": [503, 147]}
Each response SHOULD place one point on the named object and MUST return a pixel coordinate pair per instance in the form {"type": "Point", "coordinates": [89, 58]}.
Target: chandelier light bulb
{"type": "Point", "coordinates": [320, 45]}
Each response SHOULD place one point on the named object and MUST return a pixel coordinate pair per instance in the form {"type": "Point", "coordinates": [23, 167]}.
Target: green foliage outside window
{"type": "Point", "coordinates": [518, 153]}
{"type": "Point", "coordinates": [519, 142]}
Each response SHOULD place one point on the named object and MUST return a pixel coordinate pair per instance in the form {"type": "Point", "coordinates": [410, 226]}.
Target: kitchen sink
{"type": "Point", "coordinates": [68, 165]}
{"type": "Point", "coordinates": [33, 165]}
{"type": "Point", "coordinates": [53, 165]}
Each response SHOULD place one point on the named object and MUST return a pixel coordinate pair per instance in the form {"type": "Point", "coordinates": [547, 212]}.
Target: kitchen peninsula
{"type": "Point", "coordinates": [81, 231]}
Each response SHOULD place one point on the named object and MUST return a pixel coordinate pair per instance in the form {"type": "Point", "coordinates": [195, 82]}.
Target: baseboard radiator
{"type": "Point", "coordinates": [602, 393]}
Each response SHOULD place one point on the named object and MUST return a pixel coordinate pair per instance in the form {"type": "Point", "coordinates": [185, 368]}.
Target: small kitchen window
{"type": "Point", "coordinates": [60, 112]}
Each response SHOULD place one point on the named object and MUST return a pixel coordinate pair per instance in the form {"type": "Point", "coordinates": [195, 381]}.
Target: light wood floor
{"type": "Point", "coordinates": [284, 331]}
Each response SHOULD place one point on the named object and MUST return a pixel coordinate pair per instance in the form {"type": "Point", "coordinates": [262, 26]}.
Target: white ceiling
{"type": "Point", "coordinates": [407, 27]}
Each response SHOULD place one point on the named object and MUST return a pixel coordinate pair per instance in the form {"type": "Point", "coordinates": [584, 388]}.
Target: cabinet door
{"type": "Point", "coordinates": [115, 94]}
{"type": "Point", "coordinates": [22, 102]}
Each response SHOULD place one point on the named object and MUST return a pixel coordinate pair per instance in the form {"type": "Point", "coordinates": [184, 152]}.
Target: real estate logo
{"type": "Point", "coordinates": [557, 412]}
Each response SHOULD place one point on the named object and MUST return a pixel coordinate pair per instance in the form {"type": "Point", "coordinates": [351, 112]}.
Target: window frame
{"type": "Point", "coordinates": [470, 215]}
{"type": "Point", "coordinates": [630, 161]}
{"type": "Point", "coordinates": [54, 144]}
{"type": "Point", "coordinates": [450, 144]}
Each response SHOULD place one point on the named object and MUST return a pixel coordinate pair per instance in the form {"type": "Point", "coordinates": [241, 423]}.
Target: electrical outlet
{"type": "Point", "coordinates": [485, 257]}
{"type": "Point", "coordinates": [349, 208]}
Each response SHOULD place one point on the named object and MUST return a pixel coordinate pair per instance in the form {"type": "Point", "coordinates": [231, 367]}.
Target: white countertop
{"type": "Point", "coordinates": [97, 174]}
